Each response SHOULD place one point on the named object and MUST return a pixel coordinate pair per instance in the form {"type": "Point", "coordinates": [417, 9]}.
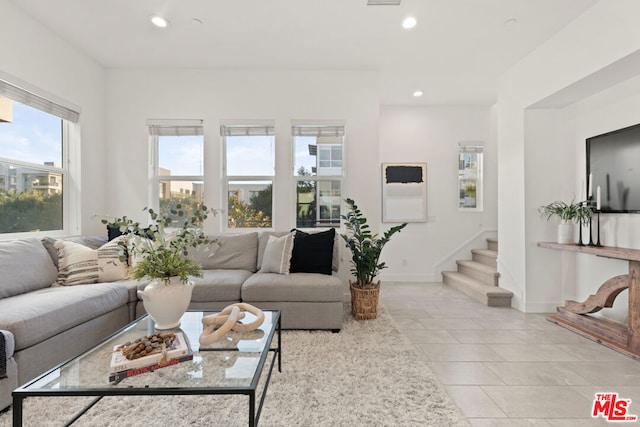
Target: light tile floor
{"type": "Point", "coordinates": [507, 368]}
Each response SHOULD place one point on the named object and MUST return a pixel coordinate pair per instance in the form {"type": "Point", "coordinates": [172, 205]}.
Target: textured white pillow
{"type": "Point", "coordinates": [277, 255]}
{"type": "Point", "coordinates": [79, 264]}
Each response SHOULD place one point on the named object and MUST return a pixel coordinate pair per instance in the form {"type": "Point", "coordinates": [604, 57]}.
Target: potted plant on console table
{"type": "Point", "coordinates": [568, 213]}
{"type": "Point", "coordinates": [365, 250]}
{"type": "Point", "coordinates": [161, 255]}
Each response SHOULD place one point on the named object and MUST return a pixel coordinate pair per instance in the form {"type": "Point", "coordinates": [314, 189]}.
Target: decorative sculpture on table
{"type": "Point", "coordinates": [217, 325]}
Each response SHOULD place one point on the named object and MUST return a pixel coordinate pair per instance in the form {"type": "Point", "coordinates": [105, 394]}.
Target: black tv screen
{"type": "Point", "coordinates": [613, 161]}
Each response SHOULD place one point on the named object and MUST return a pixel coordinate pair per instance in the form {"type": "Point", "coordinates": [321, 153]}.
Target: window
{"type": "Point", "coordinates": [35, 175]}
{"type": "Point", "coordinates": [178, 155]}
{"type": "Point", "coordinates": [470, 176]}
{"type": "Point", "coordinates": [318, 171]}
{"type": "Point", "coordinates": [248, 174]}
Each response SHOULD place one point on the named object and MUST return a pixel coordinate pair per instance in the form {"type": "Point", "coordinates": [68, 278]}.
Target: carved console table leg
{"type": "Point", "coordinates": [575, 315]}
{"type": "Point", "coordinates": [626, 339]}
{"type": "Point", "coordinates": [604, 298]}
{"type": "Point", "coordinates": [634, 307]}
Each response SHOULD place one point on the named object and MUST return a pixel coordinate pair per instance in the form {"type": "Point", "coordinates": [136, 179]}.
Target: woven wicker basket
{"type": "Point", "coordinates": [364, 302]}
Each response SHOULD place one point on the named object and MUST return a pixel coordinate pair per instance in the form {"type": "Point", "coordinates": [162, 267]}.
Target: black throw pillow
{"type": "Point", "coordinates": [312, 252]}
{"type": "Point", "coordinates": [113, 232]}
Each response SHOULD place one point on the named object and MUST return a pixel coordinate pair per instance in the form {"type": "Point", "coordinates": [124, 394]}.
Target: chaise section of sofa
{"type": "Point", "coordinates": [49, 324]}
{"type": "Point", "coordinates": [308, 300]}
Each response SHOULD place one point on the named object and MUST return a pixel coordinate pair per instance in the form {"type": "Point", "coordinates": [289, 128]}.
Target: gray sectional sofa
{"type": "Point", "coordinates": [43, 325]}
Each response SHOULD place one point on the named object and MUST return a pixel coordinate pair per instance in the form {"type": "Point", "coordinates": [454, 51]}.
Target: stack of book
{"type": "Point", "coordinates": [122, 367]}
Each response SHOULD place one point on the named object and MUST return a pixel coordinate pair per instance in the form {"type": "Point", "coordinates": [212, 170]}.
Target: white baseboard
{"type": "Point", "coordinates": [541, 307]}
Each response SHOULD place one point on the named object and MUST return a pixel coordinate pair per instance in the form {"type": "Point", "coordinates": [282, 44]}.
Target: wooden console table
{"type": "Point", "coordinates": [575, 315]}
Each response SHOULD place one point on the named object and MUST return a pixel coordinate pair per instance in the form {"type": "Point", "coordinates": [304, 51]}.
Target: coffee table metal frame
{"type": "Point", "coordinates": [27, 390]}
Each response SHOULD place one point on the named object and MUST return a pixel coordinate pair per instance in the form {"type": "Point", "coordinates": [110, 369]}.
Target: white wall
{"type": "Point", "coordinates": [580, 61]}
{"type": "Point", "coordinates": [133, 96]}
{"type": "Point", "coordinates": [431, 135]}
{"type": "Point", "coordinates": [37, 57]}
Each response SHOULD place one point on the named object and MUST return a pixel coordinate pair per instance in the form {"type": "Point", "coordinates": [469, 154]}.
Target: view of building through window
{"type": "Point", "coordinates": [31, 169]}
{"type": "Point", "coordinates": [180, 157]}
{"type": "Point", "coordinates": [470, 176]}
{"type": "Point", "coordinates": [318, 170]}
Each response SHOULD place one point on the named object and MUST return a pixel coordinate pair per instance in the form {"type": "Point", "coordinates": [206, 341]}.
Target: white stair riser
{"type": "Point", "coordinates": [484, 277]}
{"type": "Point", "coordinates": [491, 261]}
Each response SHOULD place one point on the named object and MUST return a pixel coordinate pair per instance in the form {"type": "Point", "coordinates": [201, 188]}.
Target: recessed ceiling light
{"type": "Point", "coordinates": [418, 93]}
{"type": "Point", "coordinates": [409, 22]}
{"type": "Point", "coordinates": [159, 21]}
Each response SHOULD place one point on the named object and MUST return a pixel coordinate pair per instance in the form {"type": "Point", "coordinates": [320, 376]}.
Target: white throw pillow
{"type": "Point", "coordinates": [79, 264]}
{"type": "Point", "coordinates": [277, 255]}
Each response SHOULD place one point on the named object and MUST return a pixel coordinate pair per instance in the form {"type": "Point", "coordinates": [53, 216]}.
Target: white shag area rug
{"type": "Point", "coordinates": [368, 374]}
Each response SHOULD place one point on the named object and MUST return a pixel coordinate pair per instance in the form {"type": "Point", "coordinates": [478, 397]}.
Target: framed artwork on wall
{"type": "Point", "coordinates": [404, 192]}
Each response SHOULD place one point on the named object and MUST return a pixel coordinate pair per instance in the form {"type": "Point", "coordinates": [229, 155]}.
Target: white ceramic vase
{"type": "Point", "coordinates": [166, 303]}
{"type": "Point", "coordinates": [565, 233]}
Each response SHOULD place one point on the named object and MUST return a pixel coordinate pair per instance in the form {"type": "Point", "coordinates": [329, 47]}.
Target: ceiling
{"type": "Point", "coordinates": [455, 54]}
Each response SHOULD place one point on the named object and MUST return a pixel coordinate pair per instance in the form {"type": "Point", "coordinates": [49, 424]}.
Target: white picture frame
{"type": "Point", "coordinates": [404, 192]}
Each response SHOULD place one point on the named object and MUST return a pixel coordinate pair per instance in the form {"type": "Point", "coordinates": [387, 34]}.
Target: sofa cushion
{"type": "Point", "coordinates": [297, 287]}
{"type": "Point", "coordinates": [277, 255]}
{"type": "Point", "coordinates": [232, 252]}
{"type": "Point", "coordinates": [41, 314]}
{"type": "Point", "coordinates": [313, 252]}
{"type": "Point", "coordinates": [79, 264]}
{"type": "Point", "coordinates": [25, 266]}
{"type": "Point", "coordinates": [263, 239]}
{"type": "Point", "coordinates": [93, 242]}
{"type": "Point", "coordinates": [219, 285]}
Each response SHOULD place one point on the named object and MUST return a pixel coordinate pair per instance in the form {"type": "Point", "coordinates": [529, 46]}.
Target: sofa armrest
{"type": "Point", "coordinates": [7, 346]}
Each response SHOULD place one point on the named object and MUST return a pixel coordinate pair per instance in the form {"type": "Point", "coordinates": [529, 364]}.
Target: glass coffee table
{"type": "Point", "coordinates": [233, 365]}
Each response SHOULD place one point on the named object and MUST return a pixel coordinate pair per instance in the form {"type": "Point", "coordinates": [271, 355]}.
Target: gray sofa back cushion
{"type": "Point", "coordinates": [25, 266]}
{"type": "Point", "coordinates": [233, 252]}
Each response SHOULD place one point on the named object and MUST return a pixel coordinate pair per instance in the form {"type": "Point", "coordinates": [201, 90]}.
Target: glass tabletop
{"type": "Point", "coordinates": [234, 361]}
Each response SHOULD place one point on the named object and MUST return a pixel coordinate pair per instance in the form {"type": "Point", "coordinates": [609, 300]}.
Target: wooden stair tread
{"type": "Point", "coordinates": [485, 252]}
{"type": "Point", "coordinates": [477, 285]}
{"type": "Point", "coordinates": [478, 266]}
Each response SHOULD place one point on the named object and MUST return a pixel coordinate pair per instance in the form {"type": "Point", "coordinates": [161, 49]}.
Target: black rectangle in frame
{"type": "Point", "coordinates": [403, 174]}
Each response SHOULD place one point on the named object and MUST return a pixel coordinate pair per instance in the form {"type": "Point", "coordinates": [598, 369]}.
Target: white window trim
{"type": "Point", "coordinates": [13, 87]}
{"type": "Point", "coordinates": [474, 145]}
{"type": "Point", "coordinates": [257, 124]}
{"type": "Point", "coordinates": [154, 151]}
{"type": "Point", "coordinates": [340, 178]}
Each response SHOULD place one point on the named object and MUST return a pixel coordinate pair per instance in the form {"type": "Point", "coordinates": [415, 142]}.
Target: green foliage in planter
{"type": "Point", "coordinates": [568, 212]}
{"type": "Point", "coordinates": [163, 254]}
{"type": "Point", "coordinates": [365, 246]}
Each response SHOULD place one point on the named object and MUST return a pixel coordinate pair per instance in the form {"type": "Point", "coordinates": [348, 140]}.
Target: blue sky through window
{"type": "Point", "coordinates": [33, 136]}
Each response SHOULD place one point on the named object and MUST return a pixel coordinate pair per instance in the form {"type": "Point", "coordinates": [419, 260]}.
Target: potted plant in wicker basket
{"type": "Point", "coordinates": [365, 250]}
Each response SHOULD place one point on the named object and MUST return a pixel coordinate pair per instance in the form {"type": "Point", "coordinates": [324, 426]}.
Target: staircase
{"type": "Point", "coordinates": [478, 278]}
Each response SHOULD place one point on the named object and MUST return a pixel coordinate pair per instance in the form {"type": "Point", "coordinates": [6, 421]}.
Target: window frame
{"type": "Point", "coordinates": [477, 148]}
{"type": "Point", "coordinates": [324, 128]}
{"type": "Point", "coordinates": [155, 178]}
{"type": "Point", "coordinates": [70, 171]}
{"type": "Point", "coordinates": [269, 126]}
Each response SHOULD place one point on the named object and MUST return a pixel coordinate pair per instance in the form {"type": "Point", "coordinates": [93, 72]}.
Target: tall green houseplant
{"type": "Point", "coordinates": [366, 248]}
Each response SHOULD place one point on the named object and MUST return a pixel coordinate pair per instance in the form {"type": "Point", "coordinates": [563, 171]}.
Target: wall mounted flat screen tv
{"type": "Point", "coordinates": [613, 161]}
